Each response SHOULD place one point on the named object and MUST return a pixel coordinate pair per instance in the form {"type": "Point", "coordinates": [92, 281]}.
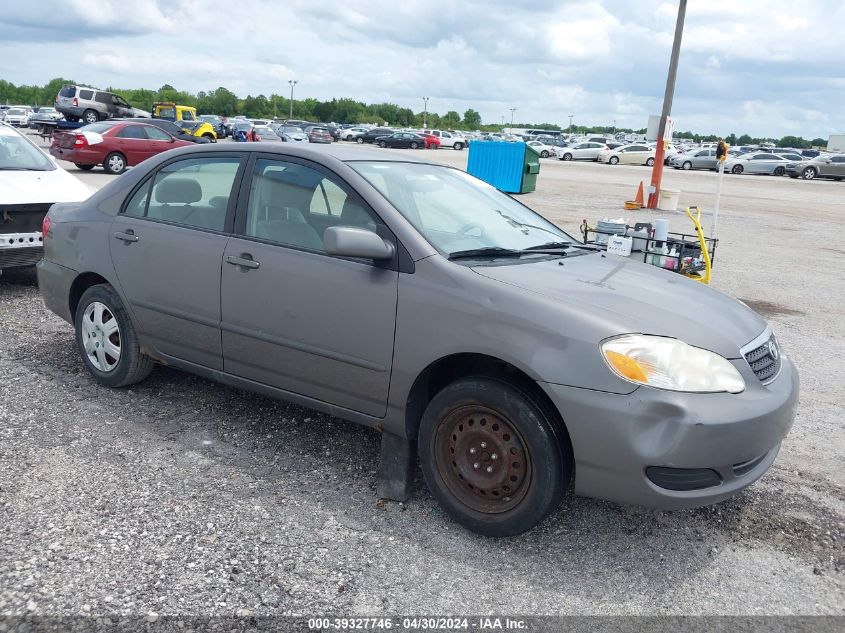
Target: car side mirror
{"type": "Point", "coordinates": [350, 241]}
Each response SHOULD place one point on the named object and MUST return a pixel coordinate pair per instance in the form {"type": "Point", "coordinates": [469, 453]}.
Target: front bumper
{"type": "Point", "coordinates": [615, 438]}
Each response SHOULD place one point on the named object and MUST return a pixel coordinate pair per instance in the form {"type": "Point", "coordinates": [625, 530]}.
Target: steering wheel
{"type": "Point", "coordinates": [466, 228]}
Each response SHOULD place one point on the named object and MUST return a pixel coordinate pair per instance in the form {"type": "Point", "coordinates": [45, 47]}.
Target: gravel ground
{"type": "Point", "coordinates": [180, 496]}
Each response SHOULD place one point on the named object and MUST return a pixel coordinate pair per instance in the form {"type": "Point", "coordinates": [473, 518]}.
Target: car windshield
{"type": "Point", "coordinates": [18, 154]}
{"type": "Point", "coordinates": [290, 129]}
{"type": "Point", "coordinates": [14, 111]}
{"type": "Point", "coordinates": [263, 129]}
{"type": "Point", "coordinates": [457, 212]}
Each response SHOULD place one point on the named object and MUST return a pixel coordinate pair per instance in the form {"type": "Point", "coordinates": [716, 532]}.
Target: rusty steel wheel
{"type": "Point", "coordinates": [483, 459]}
{"type": "Point", "coordinates": [493, 456]}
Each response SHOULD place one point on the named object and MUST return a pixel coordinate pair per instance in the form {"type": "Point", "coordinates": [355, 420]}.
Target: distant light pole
{"type": "Point", "coordinates": [571, 116]}
{"type": "Point", "coordinates": [614, 126]}
{"type": "Point", "coordinates": [425, 111]}
{"type": "Point", "coordinates": [292, 83]}
{"type": "Point", "coordinates": [512, 111]}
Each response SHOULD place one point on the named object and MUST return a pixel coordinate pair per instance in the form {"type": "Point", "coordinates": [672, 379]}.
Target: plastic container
{"type": "Point", "coordinates": [668, 200]}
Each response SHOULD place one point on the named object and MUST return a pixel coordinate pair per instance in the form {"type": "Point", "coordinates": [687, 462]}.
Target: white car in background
{"type": "Point", "coordinates": [30, 182]}
{"type": "Point", "coordinates": [351, 133]}
{"type": "Point", "coordinates": [544, 150]}
{"type": "Point", "coordinates": [633, 154]}
{"type": "Point", "coordinates": [448, 139]}
{"type": "Point", "coordinates": [18, 116]}
{"type": "Point", "coordinates": [588, 150]}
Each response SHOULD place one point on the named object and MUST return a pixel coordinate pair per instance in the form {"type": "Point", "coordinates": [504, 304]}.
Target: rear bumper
{"type": "Point", "coordinates": [82, 156]}
{"type": "Point", "coordinates": [54, 283]}
{"type": "Point", "coordinates": [615, 438]}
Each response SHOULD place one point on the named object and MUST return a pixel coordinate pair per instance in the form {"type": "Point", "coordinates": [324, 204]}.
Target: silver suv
{"type": "Point", "coordinates": [92, 105]}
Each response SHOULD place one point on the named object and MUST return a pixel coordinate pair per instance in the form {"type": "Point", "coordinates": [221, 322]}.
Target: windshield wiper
{"type": "Point", "coordinates": [21, 169]}
{"type": "Point", "coordinates": [549, 246]}
{"type": "Point", "coordinates": [487, 251]}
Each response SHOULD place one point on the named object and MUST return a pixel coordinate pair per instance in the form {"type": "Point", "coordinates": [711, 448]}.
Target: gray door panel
{"type": "Point", "coordinates": [171, 278]}
{"type": "Point", "coordinates": [305, 322]}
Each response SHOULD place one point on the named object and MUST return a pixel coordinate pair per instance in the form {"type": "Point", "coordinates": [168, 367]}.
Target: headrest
{"type": "Point", "coordinates": [178, 190]}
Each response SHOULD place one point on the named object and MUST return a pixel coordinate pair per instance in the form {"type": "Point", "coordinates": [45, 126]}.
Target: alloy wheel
{"type": "Point", "coordinates": [101, 336]}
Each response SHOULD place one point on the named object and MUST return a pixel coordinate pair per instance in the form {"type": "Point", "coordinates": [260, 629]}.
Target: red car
{"type": "Point", "coordinates": [115, 145]}
{"type": "Point", "coordinates": [431, 141]}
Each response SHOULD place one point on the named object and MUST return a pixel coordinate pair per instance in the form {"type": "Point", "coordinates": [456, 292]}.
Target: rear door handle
{"type": "Point", "coordinates": [128, 236]}
{"type": "Point", "coordinates": [242, 261]}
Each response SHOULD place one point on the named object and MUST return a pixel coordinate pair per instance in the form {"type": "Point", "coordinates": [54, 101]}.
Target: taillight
{"type": "Point", "coordinates": [46, 223]}
{"type": "Point", "coordinates": [80, 141]}
{"type": "Point", "coordinates": [75, 102]}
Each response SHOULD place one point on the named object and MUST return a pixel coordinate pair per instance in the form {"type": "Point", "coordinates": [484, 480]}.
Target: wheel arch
{"type": "Point", "coordinates": [80, 285]}
{"type": "Point", "coordinates": [447, 369]}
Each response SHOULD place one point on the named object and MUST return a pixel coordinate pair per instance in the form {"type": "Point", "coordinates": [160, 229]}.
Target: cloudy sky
{"type": "Point", "coordinates": [765, 67]}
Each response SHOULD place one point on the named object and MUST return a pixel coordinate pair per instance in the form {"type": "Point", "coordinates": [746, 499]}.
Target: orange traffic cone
{"type": "Point", "coordinates": [639, 198]}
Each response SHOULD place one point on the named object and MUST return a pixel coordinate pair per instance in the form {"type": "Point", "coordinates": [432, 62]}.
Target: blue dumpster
{"type": "Point", "coordinates": [510, 167]}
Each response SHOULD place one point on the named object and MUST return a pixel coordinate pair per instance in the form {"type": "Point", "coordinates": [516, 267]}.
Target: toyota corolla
{"type": "Point", "coordinates": [417, 300]}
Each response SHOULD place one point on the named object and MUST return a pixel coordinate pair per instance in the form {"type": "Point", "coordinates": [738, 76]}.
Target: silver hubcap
{"type": "Point", "coordinates": [101, 336]}
{"type": "Point", "coordinates": [116, 163]}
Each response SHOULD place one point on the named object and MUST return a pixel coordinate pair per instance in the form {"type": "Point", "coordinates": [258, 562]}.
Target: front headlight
{"type": "Point", "coordinates": [667, 363]}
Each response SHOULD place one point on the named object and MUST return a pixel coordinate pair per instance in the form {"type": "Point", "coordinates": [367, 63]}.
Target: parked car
{"type": "Point", "coordinates": [555, 383]}
{"type": "Point", "coordinates": [30, 182]}
{"type": "Point", "coordinates": [292, 134]}
{"type": "Point", "coordinates": [544, 150]}
{"type": "Point", "coordinates": [370, 136]}
{"type": "Point", "coordinates": [402, 140]}
{"type": "Point", "coordinates": [92, 105]}
{"type": "Point", "coordinates": [634, 154]}
{"type": "Point", "coordinates": [580, 151]}
{"type": "Point", "coordinates": [171, 128]}
{"type": "Point", "coordinates": [757, 163]}
{"type": "Point", "coordinates": [115, 145]}
{"type": "Point", "coordinates": [265, 133]}
{"type": "Point", "coordinates": [318, 134]}
{"type": "Point", "coordinates": [822, 166]}
{"type": "Point", "coordinates": [44, 115]}
{"type": "Point", "coordinates": [695, 159]}
{"type": "Point", "coordinates": [449, 139]}
{"type": "Point", "coordinates": [350, 134]}
{"type": "Point", "coordinates": [18, 116]}
{"type": "Point", "coordinates": [431, 141]}
{"type": "Point", "coordinates": [216, 122]}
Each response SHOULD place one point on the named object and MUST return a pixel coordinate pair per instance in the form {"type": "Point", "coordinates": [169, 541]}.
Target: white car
{"type": "Point", "coordinates": [351, 133]}
{"type": "Point", "coordinates": [587, 150]}
{"type": "Point", "coordinates": [448, 139]}
{"type": "Point", "coordinates": [634, 154]}
{"type": "Point", "coordinates": [18, 116]}
{"type": "Point", "coordinates": [544, 150]}
{"type": "Point", "coordinates": [30, 182]}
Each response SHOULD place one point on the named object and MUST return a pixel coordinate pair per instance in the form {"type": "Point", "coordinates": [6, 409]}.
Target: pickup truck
{"type": "Point", "coordinates": [448, 139]}
{"type": "Point", "coordinates": [185, 117]}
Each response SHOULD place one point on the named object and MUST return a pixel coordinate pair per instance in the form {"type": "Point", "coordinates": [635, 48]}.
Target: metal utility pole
{"type": "Point", "coordinates": [614, 126]}
{"type": "Point", "coordinates": [292, 83]}
{"type": "Point", "coordinates": [657, 171]}
{"type": "Point", "coordinates": [425, 111]}
{"type": "Point", "coordinates": [512, 111]}
{"type": "Point", "coordinates": [571, 116]}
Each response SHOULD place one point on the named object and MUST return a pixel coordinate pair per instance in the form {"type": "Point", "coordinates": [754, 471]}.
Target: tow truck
{"type": "Point", "coordinates": [185, 117]}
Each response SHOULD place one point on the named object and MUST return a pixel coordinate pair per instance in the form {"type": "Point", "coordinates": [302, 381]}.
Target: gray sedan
{"type": "Point", "coordinates": [758, 163]}
{"type": "Point", "coordinates": [695, 159]}
{"type": "Point", "coordinates": [415, 299]}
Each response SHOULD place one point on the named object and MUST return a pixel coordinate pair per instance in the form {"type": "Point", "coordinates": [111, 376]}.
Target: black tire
{"type": "Point", "coordinates": [519, 429]}
{"type": "Point", "coordinates": [809, 173]}
{"type": "Point", "coordinates": [84, 167]}
{"type": "Point", "coordinates": [432, 146]}
{"type": "Point", "coordinates": [650, 162]}
{"type": "Point", "coordinates": [210, 138]}
{"type": "Point", "coordinates": [544, 154]}
{"type": "Point", "coordinates": [458, 146]}
{"type": "Point", "coordinates": [737, 169]}
{"type": "Point", "coordinates": [133, 366]}
{"type": "Point", "coordinates": [382, 144]}
{"type": "Point", "coordinates": [90, 116]}
{"type": "Point", "coordinates": [359, 140]}
{"type": "Point", "coordinates": [838, 179]}
{"type": "Point", "coordinates": [613, 160]}
{"type": "Point", "coordinates": [115, 163]}
{"type": "Point", "coordinates": [566, 156]}
{"type": "Point", "coordinates": [414, 145]}
{"type": "Point", "coordinates": [687, 165]}
{"type": "Point", "coordinates": [779, 171]}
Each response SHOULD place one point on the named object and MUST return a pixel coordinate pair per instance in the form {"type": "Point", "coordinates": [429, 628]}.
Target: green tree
{"type": "Point", "coordinates": [472, 119]}
{"type": "Point", "coordinates": [794, 141]}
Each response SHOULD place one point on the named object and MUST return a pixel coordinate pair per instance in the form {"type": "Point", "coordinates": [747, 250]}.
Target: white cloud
{"type": "Point", "coordinates": [757, 66]}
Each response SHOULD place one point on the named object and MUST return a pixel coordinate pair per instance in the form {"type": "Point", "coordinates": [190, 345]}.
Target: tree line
{"type": "Point", "coordinates": [226, 103]}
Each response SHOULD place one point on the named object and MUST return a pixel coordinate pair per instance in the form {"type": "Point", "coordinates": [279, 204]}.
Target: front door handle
{"type": "Point", "coordinates": [246, 261]}
{"type": "Point", "coordinates": [128, 236]}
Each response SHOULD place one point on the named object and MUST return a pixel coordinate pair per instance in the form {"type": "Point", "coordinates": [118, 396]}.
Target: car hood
{"type": "Point", "coordinates": [631, 296]}
{"type": "Point", "coordinates": [141, 113]}
{"type": "Point", "coordinates": [40, 187]}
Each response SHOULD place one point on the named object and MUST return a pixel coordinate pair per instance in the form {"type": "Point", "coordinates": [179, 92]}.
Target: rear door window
{"type": "Point", "coordinates": [86, 94]}
{"type": "Point", "coordinates": [132, 131]}
{"type": "Point", "coordinates": [194, 192]}
{"type": "Point", "coordinates": [103, 97]}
